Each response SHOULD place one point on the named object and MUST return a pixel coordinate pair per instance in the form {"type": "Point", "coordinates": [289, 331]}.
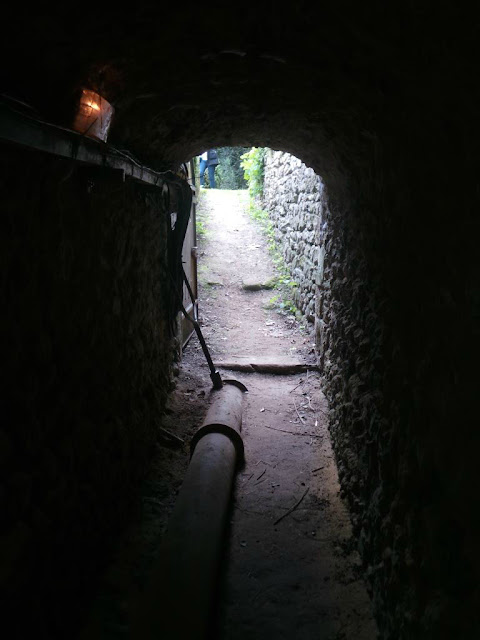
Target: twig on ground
{"type": "Point", "coordinates": [293, 433]}
{"type": "Point", "coordinates": [263, 473]}
{"type": "Point", "coordinates": [301, 419]}
{"type": "Point", "coordinates": [248, 479]}
{"type": "Point", "coordinates": [263, 462]}
{"type": "Point", "coordinates": [170, 437]}
{"type": "Point", "coordinates": [318, 469]}
{"type": "Point", "coordinates": [297, 385]}
{"type": "Point", "coordinates": [256, 513]}
{"type": "Point", "coordinates": [293, 508]}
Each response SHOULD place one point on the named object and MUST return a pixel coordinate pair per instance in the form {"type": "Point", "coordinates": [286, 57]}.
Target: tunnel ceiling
{"type": "Point", "coordinates": [319, 81]}
{"type": "Point", "coordinates": [381, 99]}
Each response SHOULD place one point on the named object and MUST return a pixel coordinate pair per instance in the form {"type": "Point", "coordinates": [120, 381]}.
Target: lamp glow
{"type": "Point", "coordinates": [94, 115]}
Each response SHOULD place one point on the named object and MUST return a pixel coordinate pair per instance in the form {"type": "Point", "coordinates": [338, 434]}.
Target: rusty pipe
{"type": "Point", "coordinates": [178, 603]}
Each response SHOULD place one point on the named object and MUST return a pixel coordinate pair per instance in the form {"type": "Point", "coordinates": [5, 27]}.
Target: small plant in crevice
{"type": "Point", "coordinates": [201, 218]}
{"type": "Point", "coordinates": [284, 283]}
{"type": "Point", "coordinates": [253, 164]}
{"type": "Point", "coordinates": [201, 228]}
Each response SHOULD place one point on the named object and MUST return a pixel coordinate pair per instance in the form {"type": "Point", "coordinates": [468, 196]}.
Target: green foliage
{"type": "Point", "coordinates": [201, 228]}
{"type": "Point", "coordinates": [253, 163]}
{"type": "Point", "coordinates": [253, 167]}
{"type": "Point", "coordinates": [229, 173]}
{"type": "Point", "coordinates": [201, 218]}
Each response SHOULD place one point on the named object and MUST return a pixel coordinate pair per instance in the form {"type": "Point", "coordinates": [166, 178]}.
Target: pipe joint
{"type": "Point", "coordinates": [225, 416]}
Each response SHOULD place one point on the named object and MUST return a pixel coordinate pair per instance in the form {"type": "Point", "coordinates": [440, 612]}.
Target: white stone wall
{"type": "Point", "coordinates": [295, 200]}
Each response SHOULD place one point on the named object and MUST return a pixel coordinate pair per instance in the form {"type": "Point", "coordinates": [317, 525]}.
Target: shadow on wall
{"type": "Point", "coordinates": [87, 369]}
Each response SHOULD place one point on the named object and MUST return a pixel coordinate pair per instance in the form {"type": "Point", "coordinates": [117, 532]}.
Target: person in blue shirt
{"type": "Point", "coordinates": [208, 160]}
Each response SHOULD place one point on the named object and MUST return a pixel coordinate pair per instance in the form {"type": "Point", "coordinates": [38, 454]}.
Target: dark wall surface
{"type": "Point", "coordinates": [86, 368]}
{"type": "Point", "coordinates": [381, 100]}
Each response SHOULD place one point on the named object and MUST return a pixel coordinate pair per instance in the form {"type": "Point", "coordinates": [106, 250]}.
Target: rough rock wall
{"type": "Point", "coordinates": [294, 198]}
{"type": "Point", "coordinates": [398, 364]}
{"type": "Point", "coordinates": [86, 368]}
{"type": "Point", "coordinates": [391, 320]}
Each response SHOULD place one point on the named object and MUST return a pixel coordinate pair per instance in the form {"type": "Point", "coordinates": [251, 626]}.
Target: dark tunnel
{"type": "Point", "coordinates": [382, 101]}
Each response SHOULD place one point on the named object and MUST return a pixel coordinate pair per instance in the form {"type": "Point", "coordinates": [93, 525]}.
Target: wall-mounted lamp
{"type": "Point", "coordinates": [94, 115]}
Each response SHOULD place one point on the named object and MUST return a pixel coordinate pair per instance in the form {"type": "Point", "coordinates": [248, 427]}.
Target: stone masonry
{"type": "Point", "coordinates": [294, 197]}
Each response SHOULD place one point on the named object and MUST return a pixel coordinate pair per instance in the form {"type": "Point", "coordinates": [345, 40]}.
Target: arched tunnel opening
{"type": "Point", "coordinates": [380, 102]}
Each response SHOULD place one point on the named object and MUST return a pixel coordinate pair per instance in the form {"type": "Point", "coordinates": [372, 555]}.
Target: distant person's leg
{"type": "Point", "coordinates": [211, 176]}
{"type": "Point", "coordinates": [203, 166]}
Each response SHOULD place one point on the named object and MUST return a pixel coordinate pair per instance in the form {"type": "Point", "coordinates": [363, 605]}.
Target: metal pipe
{"type": "Point", "coordinates": [178, 602]}
{"type": "Point", "coordinates": [214, 373]}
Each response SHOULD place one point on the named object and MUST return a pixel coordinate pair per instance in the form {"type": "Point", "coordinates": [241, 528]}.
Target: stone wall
{"type": "Point", "coordinates": [398, 367]}
{"type": "Point", "coordinates": [294, 198]}
{"type": "Point", "coordinates": [391, 323]}
{"type": "Point", "coordinates": [382, 101]}
{"type": "Point", "coordinates": [86, 369]}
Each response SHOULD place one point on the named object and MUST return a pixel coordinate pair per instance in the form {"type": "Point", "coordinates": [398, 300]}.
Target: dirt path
{"type": "Point", "coordinates": [238, 322]}
{"type": "Point", "coordinates": [296, 577]}
{"type": "Point", "coordinates": [289, 574]}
